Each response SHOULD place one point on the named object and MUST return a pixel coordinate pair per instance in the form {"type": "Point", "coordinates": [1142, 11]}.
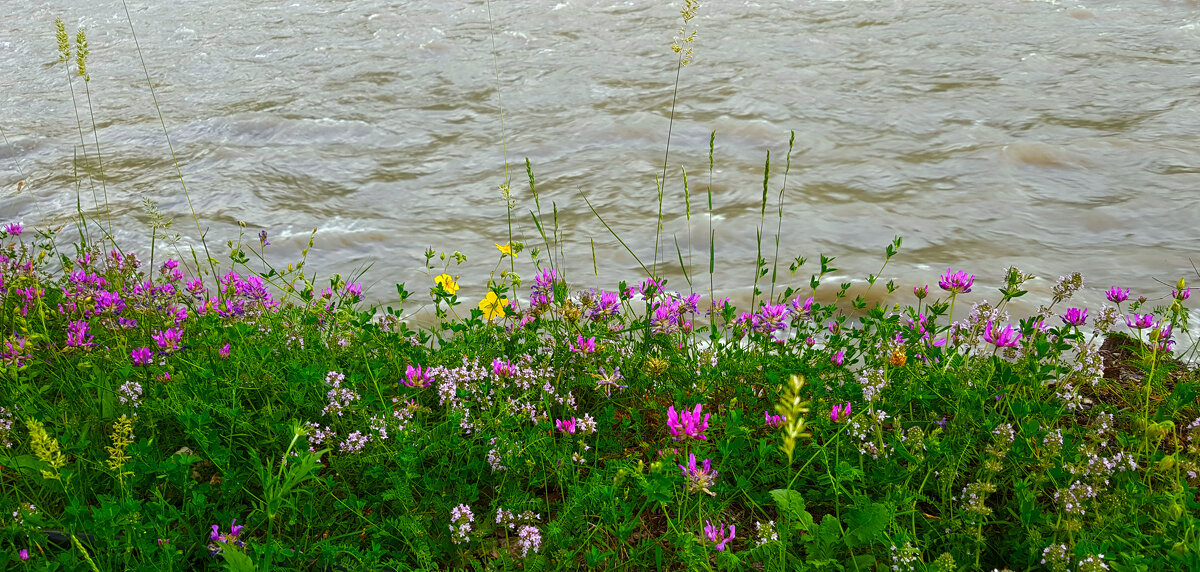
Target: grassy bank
{"type": "Point", "coordinates": [560, 425]}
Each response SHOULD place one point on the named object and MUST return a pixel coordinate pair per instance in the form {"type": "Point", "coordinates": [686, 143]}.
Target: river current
{"type": "Point", "coordinates": [1053, 136]}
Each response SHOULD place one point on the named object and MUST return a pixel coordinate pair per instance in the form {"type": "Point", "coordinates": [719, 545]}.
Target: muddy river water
{"type": "Point", "coordinates": [1054, 136]}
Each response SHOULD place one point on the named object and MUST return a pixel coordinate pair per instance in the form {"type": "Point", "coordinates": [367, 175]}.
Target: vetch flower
{"type": "Point", "coordinates": [1140, 321]}
{"type": "Point", "coordinates": [840, 412]}
{"type": "Point", "coordinates": [717, 534]}
{"type": "Point", "coordinates": [956, 282]}
{"type": "Point", "coordinates": [77, 334]}
{"type": "Point", "coordinates": [838, 358]}
{"type": "Point", "coordinates": [23, 554]}
{"type": "Point", "coordinates": [687, 424]}
{"type": "Point", "coordinates": [1117, 295]}
{"type": "Point", "coordinates": [699, 478]}
{"type": "Point", "coordinates": [217, 539]}
{"type": "Point", "coordinates": [14, 229]}
{"type": "Point", "coordinates": [417, 377]}
{"type": "Point", "coordinates": [565, 425]}
{"type": "Point", "coordinates": [921, 291]}
{"type": "Point", "coordinates": [447, 283]}
{"type": "Point", "coordinates": [586, 346]}
{"type": "Point", "coordinates": [1006, 338]}
{"type": "Point", "coordinates": [1075, 316]}
{"type": "Point", "coordinates": [492, 306]}
{"type": "Point", "coordinates": [224, 351]}
{"type": "Point", "coordinates": [141, 356]}
{"type": "Point", "coordinates": [168, 340]}
{"type": "Point", "coordinates": [262, 238]}
{"type": "Point", "coordinates": [774, 421]}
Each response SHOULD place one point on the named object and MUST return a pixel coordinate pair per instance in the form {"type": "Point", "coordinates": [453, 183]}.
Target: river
{"type": "Point", "coordinates": [1054, 136]}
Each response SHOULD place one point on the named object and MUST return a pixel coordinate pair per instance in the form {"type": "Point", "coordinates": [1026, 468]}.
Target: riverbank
{"type": "Point", "coordinates": [170, 415]}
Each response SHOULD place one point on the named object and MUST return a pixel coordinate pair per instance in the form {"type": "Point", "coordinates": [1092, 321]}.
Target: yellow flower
{"type": "Point", "coordinates": [492, 306]}
{"type": "Point", "coordinates": [506, 249]}
{"type": "Point", "coordinates": [447, 283]}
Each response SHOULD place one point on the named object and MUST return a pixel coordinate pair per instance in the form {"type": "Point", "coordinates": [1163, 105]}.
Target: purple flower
{"type": "Point", "coordinates": [1006, 338]}
{"type": "Point", "coordinates": [607, 306]}
{"type": "Point", "coordinates": [840, 412]}
{"type": "Point", "coordinates": [956, 282]}
{"type": "Point", "coordinates": [921, 291]}
{"type": "Point", "coordinates": [586, 346]}
{"type": "Point", "coordinates": [168, 340]}
{"type": "Point", "coordinates": [774, 421]}
{"type": "Point", "coordinates": [769, 318]}
{"type": "Point", "coordinates": [609, 382]}
{"type": "Point", "coordinates": [699, 478]}
{"type": "Point", "coordinates": [1118, 295]}
{"type": "Point", "coordinates": [838, 358]}
{"type": "Point", "coordinates": [235, 530]}
{"type": "Point", "coordinates": [1140, 321]}
{"type": "Point", "coordinates": [262, 238]}
{"type": "Point", "coordinates": [224, 351]}
{"type": "Point", "coordinates": [1075, 316]}
{"type": "Point", "coordinates": [716, 534]}
{"type": "Point", "coordinates": [688, 424]}
{"type": "Point", "coordinates": [1181, 295]}
{"type": "Point", "coordinates": [565, 425]}
{"type": "Point", "coordinates": [14, 229]}
{"type": "Point", "coordinates": [24, 552]}
{"type": "Point", "coordinates": [417, 377]}
{"type": "Point", "coordinates": [141, 356]}
{"type": "Point", "coordinates": [77, 336]}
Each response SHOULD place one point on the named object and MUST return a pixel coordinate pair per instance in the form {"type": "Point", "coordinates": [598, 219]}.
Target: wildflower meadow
{"type": "Point", "coordinates": [173, 408]}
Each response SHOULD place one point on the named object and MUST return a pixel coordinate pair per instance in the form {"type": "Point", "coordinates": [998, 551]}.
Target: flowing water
{"type": "Point", "coordinates": [1056, 137]}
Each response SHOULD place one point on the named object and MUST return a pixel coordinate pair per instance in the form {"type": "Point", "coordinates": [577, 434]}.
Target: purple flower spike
{"type": "Point", "coordinates": [1118, 295]}
{"type": "Point", "coordinates": [840, 412]}
{"type": "Point", "coordinates": [687, 424]}
{"type": "Point", "coordinates": [717, 534]}
{"type": "Point", "coordinates": [956, 282]}
{"type": "Point", "coordinates": [141, 356]}
{"type": "Point", "coordinates": [1006, 338]}
{"type": "Point", "coordinates": [1140, 321]}
{"type": "Point", "coordinates": [417, 377]}
{"type": "Point", "coordinates": [1075, 316]}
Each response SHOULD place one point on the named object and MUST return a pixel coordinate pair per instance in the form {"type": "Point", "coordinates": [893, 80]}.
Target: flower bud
{"type": "Point", "coordinates": [1165, 464]}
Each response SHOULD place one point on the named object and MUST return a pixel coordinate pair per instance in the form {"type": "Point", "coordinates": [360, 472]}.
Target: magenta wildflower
{"type": "Point", "coordinates": [1181, 295]}
{"type": "Point", "coordinates": [774, 421]}
{"type": "Point", "coordinates": [417, 377]}
{"type": "Point", "coordinates": [14, 229]}
{"type": "Point", "coordinates": [956, 282]}
{"type": "Point", "coordinates": [217, 539]}
{"type": "Point", "coordinates": [565, 425]}
{"type": "Point", "coordinates": [77, 336]}
{"type": "Point", "coordinates": [687, 424]}
{"type": "Point", "coordinates": [586, 346]}
{"type": "Point", "coordinates": [168, 340]}
{"type": "Point", "coordinates": [699, 478]}
{"type": "Point", "coordinates": [1140, 321]}
{"type": "Point", "coordinates": [141, 356]}
{"type": "Point", "coordinates": [838, 358]}
{"type": "Point", "coordinates": [770, 318]}
{"type": "Point", "coordinates": [1117, 295]}
{"type": "Point", "coordinates": [224, 351]}
{"type": "Point", "coordinates": [1006, 338]}
{"type": "Point", "coordinates": [717, 534]}
{"type": "Point", "coordinates": [1075, 316]}
{"type": "Point", "coordinates": [840, 412]}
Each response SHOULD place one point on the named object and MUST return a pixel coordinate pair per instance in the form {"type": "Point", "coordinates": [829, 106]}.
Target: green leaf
{"type": "Point", "coordinates": [791, 507]}
{"type": "Point", "coordinates": [865, 523]}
